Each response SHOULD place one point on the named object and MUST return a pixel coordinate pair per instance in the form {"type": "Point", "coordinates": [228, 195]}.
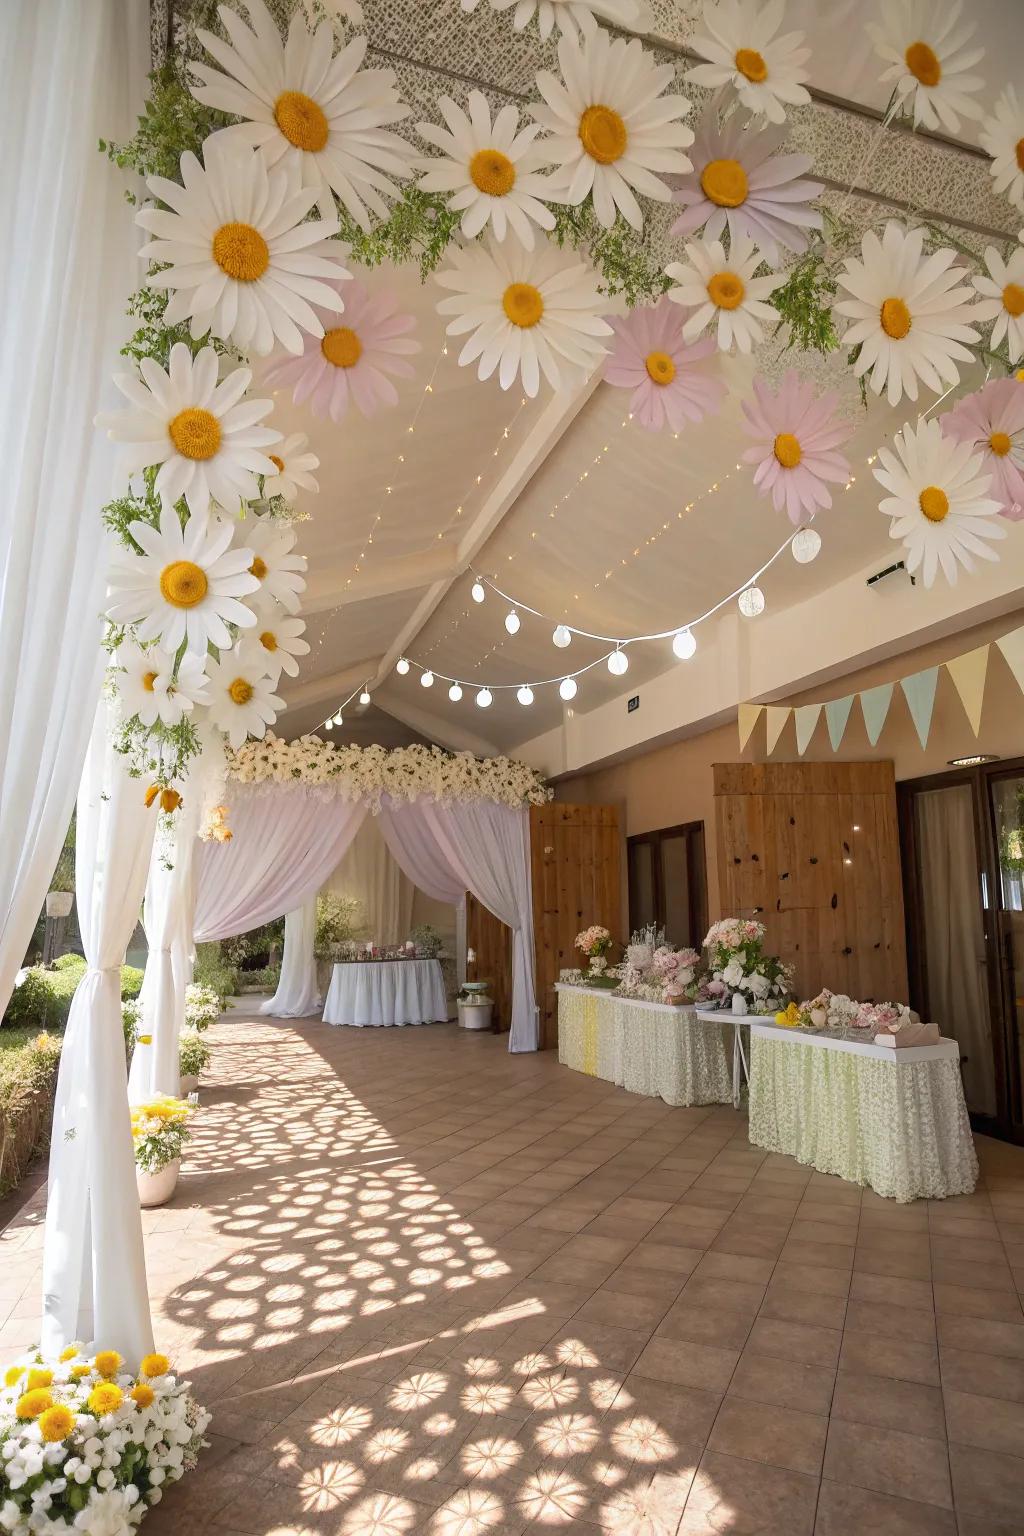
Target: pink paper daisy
{"type": "Point", "coordinates": [737, 178]}
{"type": "Point", "coordinates": [669, 377]}
{"type": "Point", "coordinates": [993, 420]}
{"type": "Point", "coordinates": [796, 436]}
{"type": "Point", "coordinates": [353, 358]}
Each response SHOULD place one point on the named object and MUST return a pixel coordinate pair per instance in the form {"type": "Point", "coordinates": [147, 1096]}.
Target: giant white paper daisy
{"type": "Point", "coordinates": [242, 698]}
{"type": "Point", "coordinates": [924, 44]}
{"type": "Point", "coordinates": [186, 584]}
{"type": "Point", "coordinates": [205, 437]}
{"type": "Point", "coordinates": [1002, 299]}
{"type": "Point", "coordinates": [490, 170]}
{"type": "Point", "coordinates": [612, 130]}
{"type": "Point", "coordinates": [909, 313]}
{"type": "Point", "coordinates": [245, 263]}
{"type": "Point", "coordinates": [307, 107]}
{"type": "Point", "coordinates": [723, 292]}
{"type": "Point", "coordinates": [631, 15]}
{"type": "Point", "coordinates": [279, 572]}
{"type": "Point", "coordinates": [293, 468]}
{"type": "Point", "coordinates": [1002, 135]}
{"type": "Point", "coordinates": [149, 685]}
{"type": "Point", "coordinates": [280, 638]}
{"type": "Point", "coordinates": [939, 503]}
{"type": "Point", "coordinates": [738, 39]}
{"type": "Point", "coordinates": [529, 312]}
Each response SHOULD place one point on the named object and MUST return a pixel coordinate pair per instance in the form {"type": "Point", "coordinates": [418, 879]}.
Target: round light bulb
{"type": "Point", "coordinates": [561, 637]}
{"type": "Point", "coordinates": [401, 666]}
{"type": "Point", "coordinates": [477, 593]}
{"type": "Point", "coordinates": [684, 643]}
{"type": "Point", "coordinates": [512, 622]}
{"type": "Point", "coordinates": [455, 693]}
{"type": "Point", "coordinates": [751, 602]}
{"type": "Point", "coordinates": [618, 662]}
{"type": "Point", "coordinates": [337, 719]}
{"type": "Point", "coordinates": [567, 688]}
{"type": "Point", "coordinates": [426, 679]}
{"type": "Point", "coordinates": [364, 697]}
{"type": "Point", "coordinates": [483, 698]}
{"type": "Point", "coordinates": [805, 546]}
{"type": "Point", "coordinates": [525, 695]}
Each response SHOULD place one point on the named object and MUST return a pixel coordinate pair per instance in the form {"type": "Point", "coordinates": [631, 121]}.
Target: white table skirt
{"type": "Point", "coordinates": [649, 1048]}
{"type": "Point", "coordinates": [382, 992]}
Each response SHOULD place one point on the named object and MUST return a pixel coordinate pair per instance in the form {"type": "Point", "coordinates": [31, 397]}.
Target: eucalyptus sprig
{"type": "Point", "coordinates": [419, 228]}
{"type": "Point", "coordinates": [620, 254]}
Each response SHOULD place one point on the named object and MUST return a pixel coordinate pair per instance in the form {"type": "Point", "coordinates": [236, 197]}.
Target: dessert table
{"type": "Point", "coordinates": [375, 993]}
{"type": "Point", "coordinates": [890, 1118]}
{"type": "Point", "coordinates": [658, 1049]}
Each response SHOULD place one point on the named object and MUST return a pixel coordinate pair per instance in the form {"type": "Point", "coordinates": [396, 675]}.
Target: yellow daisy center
{"type": "Point", "coordinates": [56, 1423]}
{"type": "Point", "coordinates": [726, 290]}
{"type": "Point", "coordinates": [142, 1395]}
{"type": "Point", "coordinates": [492, 172]}
{"type": "Point", "coordinates": [787, 450]}
{"type": "Point", "coordinates": [923, 64]}
{"type": "Point", "coordinates": [241, 252]}
{"type": "Point", "coordinates": [258, 568]}
{"type": "Point", "coordinates": [724, 182]}
{"type": "Point", "coordinates": [603, 134]}
{"type": "Point", "coordinates": [107, 1397]}
{"type": "Point", "coordinates": [1000, 443]}
{"type": "Point", "coordinates": [33, 1403]}
{"type": "Point", "coordinates": [1013, 299]}
{"type": "Point", "coordinates": [895, 319]}
{"type": "Point", "coordinates": [277, 463]}
{"type": "Point", "coordinates": [341, 347]}
{"type": "Point", "coordinates": [183, 584]}
{"type": "Point", "coordinates": [934, 503]}
{"type": "Point", "coordinates": [240, 691]}
{"type": "Point", "coordinates": [523, 304]}
{"type": "Point", "coordinates": [148, 679]}
{"type": "Point", "coordinates": [268, 640]}
{"type": "Point", "coordinates": [1019, 152]}
{"type": "Point", "coordinates": [195, 433]}
{"type": "Point", "coordinates": [301, 121]}
{"type": "Point", "coordinates": [154, 1365]}
{"type": "Point", "coordinates": [660, 367]}
{"type": "Point", "coordinates": [750, 63]}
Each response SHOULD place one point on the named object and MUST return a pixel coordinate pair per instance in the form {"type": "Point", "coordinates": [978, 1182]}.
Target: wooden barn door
{"type": "Point", "coordinates": [491, 942]}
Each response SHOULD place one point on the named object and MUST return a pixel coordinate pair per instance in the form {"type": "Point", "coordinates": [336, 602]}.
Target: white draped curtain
{"type": "Point", "coordinates": [298, 992]}
{"type": "Point", "coordinates": [415, 849]}
{"type": "Point", "coordinates": [72, 73]}
{"type": "Point", "coordinates": [370, 874]}
{"type": "Point", "coordinates": [94, 1275]}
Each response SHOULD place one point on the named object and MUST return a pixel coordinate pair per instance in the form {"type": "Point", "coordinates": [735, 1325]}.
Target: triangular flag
{"type": "Point", "coordinates": [968, 673]}
{"type": "Point", "coordinates": [1012, 647]}
{"type": "Point", "coordinates": [806, 717]}
{"type": "Point", "coordinates": [874, 704]}
{"type": "Point", "coordinates": [919, 689]}
{"type": "Point", "coordinates": [749, 714]}
{"type": "Point", "coordinates": [775, 716]}
{"type": "Point", "coordinates": [837, 712]}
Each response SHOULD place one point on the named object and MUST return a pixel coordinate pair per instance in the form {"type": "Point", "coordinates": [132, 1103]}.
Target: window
{"type": "Point", "coordinates": [668, 882]}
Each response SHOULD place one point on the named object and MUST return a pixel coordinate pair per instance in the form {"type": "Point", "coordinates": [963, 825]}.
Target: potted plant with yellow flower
{"type": "Point", "coordinates": [193, 1058]}
{"type": "Point", "coordinates": [160, 1130]}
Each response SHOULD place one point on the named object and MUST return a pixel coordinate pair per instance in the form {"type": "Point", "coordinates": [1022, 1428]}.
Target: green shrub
{"type": "Point", "coordinates": [28, 1071]}
{"type": "Point", "coordinates": [264, 980]}
{"type": "Point", "coordinates": [212, 970]}
{"type": "Point", "coordinates": [43, 1000]}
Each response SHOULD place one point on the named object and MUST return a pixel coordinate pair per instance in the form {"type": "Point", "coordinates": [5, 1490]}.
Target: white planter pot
{"type": "Point", "coordinates": [157, 1188]}
{"type": "Point", "coordinates": [475, 1015]}
{"type": "Point", "coordinates": [189, 1084]}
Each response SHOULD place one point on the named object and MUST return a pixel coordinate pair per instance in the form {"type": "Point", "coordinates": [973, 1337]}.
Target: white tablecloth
{"type": "Point", "coordinates": [649, 1048]}
{"type": "Point", "coordinates": [380, 992]}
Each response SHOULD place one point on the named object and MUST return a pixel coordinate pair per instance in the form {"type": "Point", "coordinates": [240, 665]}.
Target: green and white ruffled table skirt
{"type": "Point", "coordinates": [650, 1048]}
{"type": "Point", "coordinates": [894, 1120]}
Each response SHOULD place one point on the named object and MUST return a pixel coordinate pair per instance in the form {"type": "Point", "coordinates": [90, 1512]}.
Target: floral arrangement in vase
{"type": "Point", "coordinates": [193, 1057]}
{"type": "Point", "coordinates": [736, 957]}
{"type": "Point", "coordinates": [427, 940]}
{"type": "Point", "coordinates": [87, 1445]}
{"type": "Point", "coordinates": [676, 969]}
{"type": "Point", "coordinates": [202, 1006]}
{"type": "Point", "coordinates": [655, 971]}
{"type": "Point", "coordinates": [160, 1130]}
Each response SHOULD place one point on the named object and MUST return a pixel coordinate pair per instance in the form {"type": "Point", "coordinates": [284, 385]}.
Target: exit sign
{"type": "Point", "coordinates": [633, 703]}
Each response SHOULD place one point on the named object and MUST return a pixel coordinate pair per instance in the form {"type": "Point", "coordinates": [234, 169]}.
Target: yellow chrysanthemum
{"type": "Point", "coordinates": [154, 1365]}
{"type": "Point", "coordinates": [32, 1404]}
{"type": "Point", "coordinates": [56, 1423]}
{"type": "Point", "coordinates": [38, 1378]}
{"type": "Point", "coordinates": [107, 1397]}
{"type": "Point", "coordinates": [68, 1354]}
{"type": "Point", "coordinates": [108, 1362]}
{"type": "Point", "coordinates": [78, 1371]}
{"type": "Point", "coordinates": [142, 1395]}
{"type": "Point", "coordinates": [13, 1375]}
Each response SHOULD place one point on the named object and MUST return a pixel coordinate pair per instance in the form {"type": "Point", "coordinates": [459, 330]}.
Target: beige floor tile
{"type": "Point", "coordinates": [889, 1403]}
{"type": "Point", "coordinates": [888, 1461]}
{"type": "Point", "coordinates": [782, 1383]}
{"type": "Point", "coordinates": [847, 1511]}
{"type": "Point", "coordinates": [988, 1423]}
{"type": "Point", "coordinates": [900, 1359]}
{"type": "Point", "coordinates": [733, 1493]}
{"type": "Point", "coordinates": [987, 1484]}
{"type": "Point", "coordinates": [785, 1438]}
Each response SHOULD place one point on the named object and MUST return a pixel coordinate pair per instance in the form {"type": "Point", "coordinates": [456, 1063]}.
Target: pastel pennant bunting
{"type": "Point", "coordinates": [776, 716]}
{"type": "Point", "coordinates": [749, 715]}
{"type": "Point", "coordinates": [837, 713]}
{"type": "Point", "coordinates": [1012, 647]}
{"type": "Point", "coordinates": [806, 716]}
{"type": "Point", "coordinates": [874, 703]}
{"type": "Point", "coordinates": [968, 673]}
{"type": "Point", "coordinates": [919, 690]}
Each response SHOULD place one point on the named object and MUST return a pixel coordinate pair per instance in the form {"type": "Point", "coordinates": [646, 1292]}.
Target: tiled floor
{"type": "Point", "coordinates": [427, 1286]}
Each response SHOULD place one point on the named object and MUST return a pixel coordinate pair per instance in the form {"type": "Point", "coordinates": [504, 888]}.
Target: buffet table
{"type": "Point", "coordinates": [384, 992]}
{"type": "Point", "coordinates": [656, 1049]}
{"type": "Point", "coordinates": [892, 1119]}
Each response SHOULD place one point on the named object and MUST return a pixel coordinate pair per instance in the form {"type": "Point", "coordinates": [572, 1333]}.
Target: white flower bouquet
{"type": "Point", "coordinates": [737, 960]}
{"type": "Point", "coordinates": [160, 1130]}
{"type": "Point", "coordinates": [88, 1446]}
{"type": "Point", "coordinates": [202, 1006]}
